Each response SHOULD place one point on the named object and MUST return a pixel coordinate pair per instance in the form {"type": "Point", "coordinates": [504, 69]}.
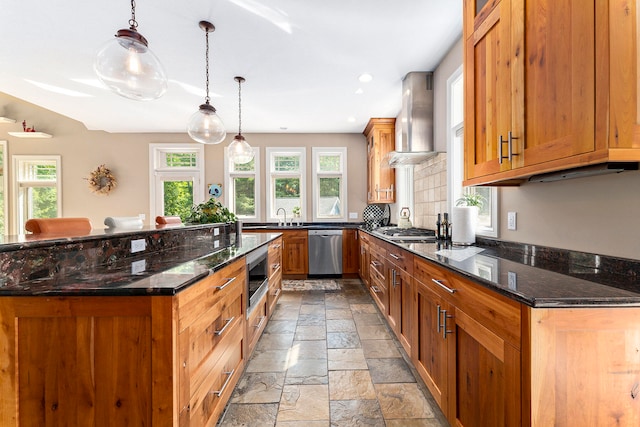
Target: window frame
{"type": "Point", "coordinates": [158, 174]}
{"type": "Point", "coordinates": [16, 182]}
{"type": "Point", "coordinates": [5, 186]}
{"type": "Point", "coordinates": [271, 153]}
{"type": "Point", "coordinates": [316, 153]}
{"type": "Point", "coordinates": [230, 173]}
{"type": "Point", "coordinates": [455, 160]}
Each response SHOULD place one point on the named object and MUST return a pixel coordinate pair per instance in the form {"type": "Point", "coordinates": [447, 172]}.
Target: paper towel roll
{"type": "Point", "coordinates": [463, 228]}
{"type": "Point", "coordinates": [130, 222]}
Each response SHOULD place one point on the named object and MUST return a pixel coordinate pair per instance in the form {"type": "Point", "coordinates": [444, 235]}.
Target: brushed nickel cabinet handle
{"type": "Point", "coordinates": [227, 283]}
{"type": "Point", "coordinates": [226, 325]}
{"type": "Point", "coordinates": [226, 383]}
{"type": "Point", "coordinates": [443, 286]}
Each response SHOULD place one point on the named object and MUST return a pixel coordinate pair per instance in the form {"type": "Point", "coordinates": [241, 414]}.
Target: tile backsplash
{"type": "Point", "coordinates": [430, 190]}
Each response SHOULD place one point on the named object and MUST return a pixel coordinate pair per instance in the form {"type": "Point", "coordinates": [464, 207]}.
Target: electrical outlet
{"type": "Point", "coordinates": [138, 267]}
{"type": "Point", "coordinates": [216, 231]}
{"type": "Point", "coordinates": [511, 220]}
{"type": "Point", "coordinates": [216, 244]}
{"type": "Point", "coordinates": [353, 215]}
{"type": "Point", "coordinates": [138, 245]}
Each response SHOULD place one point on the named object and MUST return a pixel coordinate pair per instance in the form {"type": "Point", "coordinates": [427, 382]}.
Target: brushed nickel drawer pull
{"type": "Point", "coordinates": [276, 267]}
{"type": "Point", "coordinates": [227, 283]}
{"type": "Point", "coordinates": [443, 286]}
{"type": "Point", "coordinates": [221, 331]}
{"type": "Point", "coordinates": [394, 274]}
{"type": "Point", "coordinates": [375, 289]}
{"type": "Point", "coordinates": [376, 264]}
{"type": "Point", "coordinates": [226, 383]}
{"type": "Point", "coordinates": [396, 257]}
{"type": "Point", "coordinates": [259, 325]}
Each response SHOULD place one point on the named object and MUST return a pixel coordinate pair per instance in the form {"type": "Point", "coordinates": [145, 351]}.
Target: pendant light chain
{"type": "Point", "coordinates": [133, 24]}
{"type": "Point", "coordinates": [240, 106]}
{"type": "Point", "coordinates": [206, 99]}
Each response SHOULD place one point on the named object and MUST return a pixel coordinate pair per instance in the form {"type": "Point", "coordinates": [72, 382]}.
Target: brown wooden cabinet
{"type": "Point", "coordinates": [211, 354]}
{"type": "Point", "coordinates": [537, 87]}
{"type": "Point", "coordinates": [365, 257]}
{"type": "Point", "coordinates": [295, 252]}
{"type": "Point", "coordinates": [401, 295]}
{"type": "Point", "coordinates": [139, 360]}
{"type": "Point", "coordinates": [275, 274]}
{"type": "Point", "coordinates": [473, 335]}
{"type": "Point", "coordinates": [381, 179]}
{"type": "Point", "coordinates": [350, 251]}
{"type": "Point", "coordinates": [378, 275]}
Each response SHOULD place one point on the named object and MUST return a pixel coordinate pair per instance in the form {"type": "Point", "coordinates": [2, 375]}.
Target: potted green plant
{"type": "Point", "coordinates": [210, 212]}
{"type": "Point", "coordinates": [296, 211]}
{"type": "Point", "coordinates": [464, 218]}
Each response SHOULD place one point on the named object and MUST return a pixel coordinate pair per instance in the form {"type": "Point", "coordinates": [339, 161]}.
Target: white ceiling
{"type": "Point", "coordinates": [301, 59]}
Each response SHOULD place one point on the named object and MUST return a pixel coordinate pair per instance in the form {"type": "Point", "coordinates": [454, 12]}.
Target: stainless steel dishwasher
{"type": "Point", "coordinates": [325, 252]}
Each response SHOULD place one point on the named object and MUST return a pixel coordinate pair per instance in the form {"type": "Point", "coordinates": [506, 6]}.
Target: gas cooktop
{"type": "Point", "coordinates": [412, 234]}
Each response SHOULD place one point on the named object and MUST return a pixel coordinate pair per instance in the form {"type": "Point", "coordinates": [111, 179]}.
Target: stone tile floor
{"type": "Point", "coordinates": [327, 358]}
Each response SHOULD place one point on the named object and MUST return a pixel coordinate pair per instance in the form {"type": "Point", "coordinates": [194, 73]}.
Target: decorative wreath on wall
{"type": "Point", "coordinates": [101, 180]}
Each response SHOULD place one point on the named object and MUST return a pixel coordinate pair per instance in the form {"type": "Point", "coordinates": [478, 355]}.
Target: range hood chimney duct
{"type": "Point", "coordinates": [416, 119]}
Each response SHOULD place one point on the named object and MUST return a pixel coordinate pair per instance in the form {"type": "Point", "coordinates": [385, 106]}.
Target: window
{"type": "Point", "coordinates": [243, 186]}
{"type": "Point", "coordinates": [177, 178]}
{"type": "Point", "coordinates": [487, 219]}
{"type": "Point", "coordinates": [37, 188]}
{"type": "Point", "coordinates": [286, 181]}
{"type": "Point", "coordinates": [329, 185]}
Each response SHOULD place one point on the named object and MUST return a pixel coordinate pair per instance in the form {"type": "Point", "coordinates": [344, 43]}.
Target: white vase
{"type": "Point", "coordinates": [464, 220]}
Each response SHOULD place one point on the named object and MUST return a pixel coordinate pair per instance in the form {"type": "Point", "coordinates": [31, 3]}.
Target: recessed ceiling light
{"type": "Point", "coordinates": [359, 91]}
{"type": "Point", "coordinates": [351, 119]}
{"type": "Point", "coordinates": [283, 128]}
{"type": "Point", "coordinates": [365, 78]}
{"type": "Point", "coordinates": [58, 89]}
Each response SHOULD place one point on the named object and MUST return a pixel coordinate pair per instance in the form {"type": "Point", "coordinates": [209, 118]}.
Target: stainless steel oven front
{"type": "Point", "coordinates": [257, 276]}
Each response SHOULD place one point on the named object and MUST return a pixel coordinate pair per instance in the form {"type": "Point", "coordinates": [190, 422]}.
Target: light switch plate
{"type": "Point", "coordinates": [511, 220]}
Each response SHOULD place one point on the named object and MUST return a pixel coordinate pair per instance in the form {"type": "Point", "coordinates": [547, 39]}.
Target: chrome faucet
{"type": "Point", "coordinates": [285, 214]}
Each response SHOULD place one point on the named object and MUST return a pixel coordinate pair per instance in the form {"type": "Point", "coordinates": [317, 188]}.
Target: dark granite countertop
{"type": "Point", "coordinates": [567, 286]}
{"type": "Point", "coordinates": [160, 273]}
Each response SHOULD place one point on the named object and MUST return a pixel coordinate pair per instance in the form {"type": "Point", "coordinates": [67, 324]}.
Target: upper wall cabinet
{"type": "Point", "coordinates": [537, 87]}
{"type": "Point", "coordinates": [381, 178]}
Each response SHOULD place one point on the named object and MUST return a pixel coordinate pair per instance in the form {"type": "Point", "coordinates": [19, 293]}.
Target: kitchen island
{"type": "Point", "coordinates": [500, 341]}
{"type": "Point", "coordinates": [156, 338]}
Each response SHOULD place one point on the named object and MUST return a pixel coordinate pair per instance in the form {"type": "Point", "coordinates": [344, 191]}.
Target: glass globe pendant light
{"type": "Point", "coordinates": [239, 150]}
{"type": "Point", "coordinates": [127, 66]}
{"type": "Point", "coordinates": [205, 126]}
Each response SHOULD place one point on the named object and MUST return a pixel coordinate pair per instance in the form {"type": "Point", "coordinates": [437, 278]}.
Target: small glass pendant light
{"type": "Point", "coordinates": [127, 66]}
{"type": "Point", "coordinates": [205, 126]}
{"type": "Point", "coordinates": [239, 150]}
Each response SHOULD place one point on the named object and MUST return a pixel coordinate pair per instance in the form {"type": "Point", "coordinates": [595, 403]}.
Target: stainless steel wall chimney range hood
{"type": "Point", "coordinates": [416, 120]}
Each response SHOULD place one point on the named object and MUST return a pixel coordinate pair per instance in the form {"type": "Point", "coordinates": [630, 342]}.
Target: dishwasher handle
{"type": "Point", "coordinates": [325, 233]}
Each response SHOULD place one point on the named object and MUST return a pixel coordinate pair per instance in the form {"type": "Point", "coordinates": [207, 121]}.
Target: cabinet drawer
{"type": "Point", "coordinates": [256, 323]}
{"type": "Point", "coordinates": [205, 294]}
{"type": "Point", "coordinates": [208, 400]}
{"type": "Point", "coordinates": [275, 256]}
{"type": "Point", "coordinates": [497, 313]}
{"type": "Point", "coordinates": [400, 258]}
{"type": "Point", "coordinates": [435, 278]}
{"type": "Point", "coordinates": [203, 343]}
{"type": "Point", "coordinates": [275, 289]}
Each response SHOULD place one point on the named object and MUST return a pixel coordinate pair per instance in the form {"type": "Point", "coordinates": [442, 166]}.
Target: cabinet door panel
{"type": "Point", "coordinates": [558, 101]}
{"type": "Point", "coordinates": [487, 70]}
{"type": "Point", "coordinates": [487, 373]}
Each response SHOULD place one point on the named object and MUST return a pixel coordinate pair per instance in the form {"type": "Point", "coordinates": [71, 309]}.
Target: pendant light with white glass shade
{"type": "Point", "coordinates": [127, 66]}
{"type": "Point", "coordinates": [205, 126]}
{"type": "Point", "coordinates": [239, 150]}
